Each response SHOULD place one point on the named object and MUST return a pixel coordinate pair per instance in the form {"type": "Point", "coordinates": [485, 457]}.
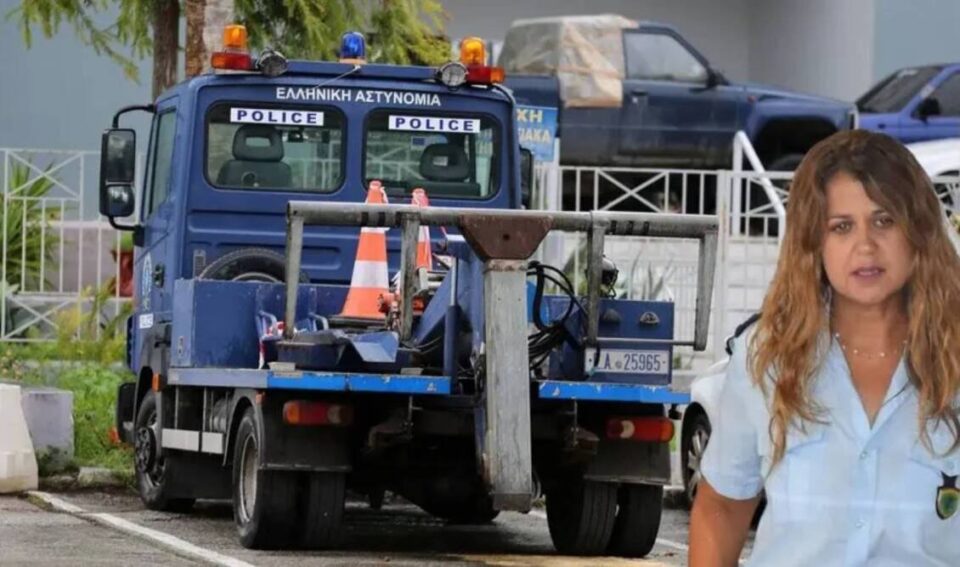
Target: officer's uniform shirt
{"type": "Point", "coordinates": [845, 493]}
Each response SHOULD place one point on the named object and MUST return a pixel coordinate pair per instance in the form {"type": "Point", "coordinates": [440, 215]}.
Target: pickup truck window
{"type": "Point", "coordinates": [256, 146]}
{"type": "Point", "coordinates": [447, 156]}
{"type": "Point", "coordinates": [660, 57]}
{"type": "Point", "coordinates": [948, 95]}
{"type": "Point", "coordinates": [894, 92]}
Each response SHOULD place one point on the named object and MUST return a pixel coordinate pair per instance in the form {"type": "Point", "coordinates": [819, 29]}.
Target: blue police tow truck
{"type": "Point", "coordinates": [474, 392]}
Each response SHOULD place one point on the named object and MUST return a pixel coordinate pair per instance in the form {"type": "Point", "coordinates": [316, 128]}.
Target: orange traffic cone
{"type": "Point", "coordinates": [370, 279]}
{"type": "Point", "coordinates": [424, 254]}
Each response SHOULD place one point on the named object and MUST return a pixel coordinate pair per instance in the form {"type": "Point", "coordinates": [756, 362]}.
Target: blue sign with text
{"type": "Point", "coordinates": [537, 129]}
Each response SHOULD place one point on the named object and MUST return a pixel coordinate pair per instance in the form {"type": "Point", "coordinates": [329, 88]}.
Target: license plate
{"type": "Point", "coordinates": [615, 361]}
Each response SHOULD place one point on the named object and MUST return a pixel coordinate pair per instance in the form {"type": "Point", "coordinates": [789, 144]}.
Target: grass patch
{"type": "Point", "coordinates": [94, 390]}
{"type": "Point", "coordinates": [94, 387]}
{"type": "Point", "coordinates": [85, 359]}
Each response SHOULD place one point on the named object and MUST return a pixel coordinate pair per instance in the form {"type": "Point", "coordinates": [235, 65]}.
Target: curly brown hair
{"type": "Point", "coordinates": [784, 348]}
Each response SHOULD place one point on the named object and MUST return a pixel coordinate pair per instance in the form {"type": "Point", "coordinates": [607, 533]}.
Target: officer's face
{"type": "Point", "coordinates": [865, 253]}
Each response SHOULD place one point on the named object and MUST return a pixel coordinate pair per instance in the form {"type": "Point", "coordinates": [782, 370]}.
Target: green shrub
{"type": "Point", "coordinates": [94, 398]}
{"type": "Point", "coordinates": [30, 239]}
{"type": "Point", "coordinates": [90, 331]}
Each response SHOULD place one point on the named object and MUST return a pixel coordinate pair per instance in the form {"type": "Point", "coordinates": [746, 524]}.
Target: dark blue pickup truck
{"type": "Point", "coordinates": [638, 94]}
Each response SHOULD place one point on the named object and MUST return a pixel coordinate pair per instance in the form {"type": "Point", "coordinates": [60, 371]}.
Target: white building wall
{"type": "Point", "coordinates": [824, 47]}
{"type": "Point", "coordinates": [916, 32]}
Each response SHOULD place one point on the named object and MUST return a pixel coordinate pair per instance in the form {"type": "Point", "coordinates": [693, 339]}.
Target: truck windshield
{"type": "Point", "coordinates": [447, 156]}
{"type": "Point", "coordinates": [268, 147]}
{"type": "Point", "coordinates": [892, 93]}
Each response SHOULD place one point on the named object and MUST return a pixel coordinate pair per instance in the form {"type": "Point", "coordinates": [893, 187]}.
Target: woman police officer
{"type": "Point", "coordinates": [841, 402]}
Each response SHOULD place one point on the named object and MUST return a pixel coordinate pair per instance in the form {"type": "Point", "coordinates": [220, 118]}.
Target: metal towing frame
{"type": "Point", "coordinates": [504, 240]}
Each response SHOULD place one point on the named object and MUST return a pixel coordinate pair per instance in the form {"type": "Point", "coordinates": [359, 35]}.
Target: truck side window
{"type": "Point", "coordinates": [948, 95]}
{"type": "Point", "coordinates": [162, 158]}
{"type": "Point", "coordinates": [660, 57]}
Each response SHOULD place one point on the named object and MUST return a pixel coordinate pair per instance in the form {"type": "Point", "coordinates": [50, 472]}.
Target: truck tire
{"type": "Point", "coordinates": [693, 440]}
{"type": "Point", "coordinates": [638, 520]}
{"type": "Point", "coordinates": [581, 515]}
{"type": "Point", "coordinates": [456, 497]}
{"type": "Point", "coordinates": [322, 516]}
{"type": "Point", "coordinates": [264, 502]}
{"type": "Point", "coordinates": [151, 470]}
{"type": "Point", "coordinates": [249, 265]}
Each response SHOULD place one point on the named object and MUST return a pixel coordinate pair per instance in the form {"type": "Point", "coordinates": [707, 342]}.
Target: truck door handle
{"type": "Point", "coordinates": [158, 273]}
{"type": "Point", "coordinates": [636, 95]}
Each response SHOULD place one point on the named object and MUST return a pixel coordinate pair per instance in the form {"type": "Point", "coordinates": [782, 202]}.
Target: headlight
{"type": "Point", "coordinates": [453, 74]}
{"type": "Point", "coordinates": [272, 63]}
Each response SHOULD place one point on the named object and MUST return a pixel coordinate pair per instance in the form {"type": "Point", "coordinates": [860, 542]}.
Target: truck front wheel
{"type": "Point", "coordinates": [581, 515]}
{"type": "Point", "coordinates": [153, 472]}
{"type": "Point", "coordinates": [638, 520]}
{"type": "Point", "coordinates": [264, 502]}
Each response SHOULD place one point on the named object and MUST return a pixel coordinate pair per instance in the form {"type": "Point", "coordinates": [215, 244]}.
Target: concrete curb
{"type": "Point", "coordinates": [173, 544]}
{"type": "Point", "coordinates": [87, 478]}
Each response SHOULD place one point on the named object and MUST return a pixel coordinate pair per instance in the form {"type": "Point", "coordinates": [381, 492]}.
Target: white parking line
{"type": "Point", "coordinates": [174, 543]}
{"type": "Point", "coordinates": [673, 544]}
{"type": "Point", "coordinates": [662, 541]}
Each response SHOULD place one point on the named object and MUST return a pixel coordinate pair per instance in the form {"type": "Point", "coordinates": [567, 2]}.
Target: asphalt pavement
{"type": "Point", "coordinates": [113, 528]}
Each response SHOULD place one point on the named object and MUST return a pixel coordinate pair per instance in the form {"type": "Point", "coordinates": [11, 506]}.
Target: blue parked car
{"type": "Point", "coordinates": [915, 104]}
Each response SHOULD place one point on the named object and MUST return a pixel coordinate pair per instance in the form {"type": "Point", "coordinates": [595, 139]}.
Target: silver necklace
{"type": "Point", "coordinates": [867, 355]}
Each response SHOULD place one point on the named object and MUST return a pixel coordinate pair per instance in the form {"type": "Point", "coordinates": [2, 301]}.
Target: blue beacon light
{"type": "Point", "coordinates": [353, 48]}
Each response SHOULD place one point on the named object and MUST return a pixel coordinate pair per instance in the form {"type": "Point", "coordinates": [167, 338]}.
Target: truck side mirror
{"type": "Point", "coordinates": [118, 154]}
{"type": "Point", "coordinates": [526, 176]}
{"type": "Point", "coordinates": [930, 106]}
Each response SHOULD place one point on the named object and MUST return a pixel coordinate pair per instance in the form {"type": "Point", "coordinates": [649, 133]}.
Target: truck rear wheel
{"type": "Point", "coordinates": [153, 472]}
{"type": "Point", "coordinates": [322, 518]}
{"type": "Point", "coordinates": [638, 520]}
{"type": "Point", "coordinates": [581, 515]}
{"type": "Point", "coordinates": [264, 502]}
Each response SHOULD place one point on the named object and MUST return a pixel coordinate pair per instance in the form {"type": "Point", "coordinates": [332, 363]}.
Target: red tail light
{"type": "Point", "coordinates": [651, 429]}
{"type": "Point", "coordinates": [483, 75]}
{"type": "Point", "coordinates": [237, 61]}
{"type": "Point", "coordinates": [302, 412]}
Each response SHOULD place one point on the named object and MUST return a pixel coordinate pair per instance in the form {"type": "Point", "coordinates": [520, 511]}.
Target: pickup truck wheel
{"type": "Point", "coordinates": [638, 520]}
{"type": "Point", "coordinates": [580, 515]}
{"type": "Point", "coordinates": [152, 470]}
{"type": "Point", "coordinates": [249, 265]}
{"type": "Point", "coordinates": [693, 441]}
{"type": "Point", "coordinates": [264, 502]}
{"type": "Point", "coordinates": [322, 518]}
{"type": "Point", "coordinates": [786, 162]}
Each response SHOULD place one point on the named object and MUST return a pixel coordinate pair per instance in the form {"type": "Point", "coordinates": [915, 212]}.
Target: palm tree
{"type": "Point", "coordinates": [205, 20]}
